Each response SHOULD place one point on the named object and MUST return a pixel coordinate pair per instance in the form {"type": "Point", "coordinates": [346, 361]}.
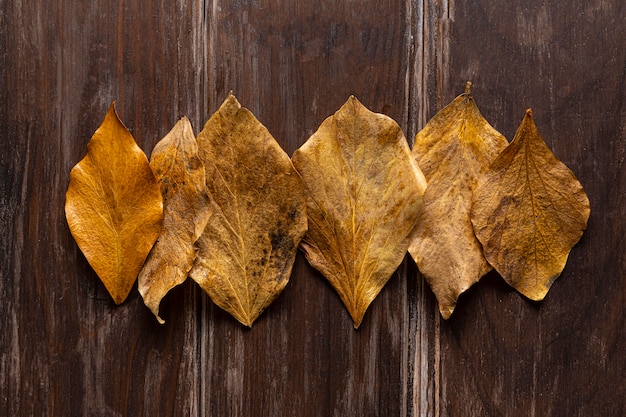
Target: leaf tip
{"type": "Point", "coordinates": [154, 309]}
{"type": "Point", "coordinates": [112, 111]}
{"type": "Point", "coordinates": [357, 318]}
{"type": "Point", "coordinates": [231, 105]}
{"type": "Point", "coordinates": [232, 97]}
{"type": "Point", "coordinates": [446, 311]}
{"type": "Point", "coordinates": [528, 122]}
{"type": "Point", "coordinates": [353, 101]}
{"type": "Point", "coordinates": [354, 108]}
{"type": "Point", "coordinates": [247, 322]}
{"type": "Point", "coordinates": [185, 124]}
{"type": "Point", "coordinates": [112, 118]}
{"type": "Point", "coordinates": [537, 293]}
{"type": "Point", "coordinates": [118, 298]}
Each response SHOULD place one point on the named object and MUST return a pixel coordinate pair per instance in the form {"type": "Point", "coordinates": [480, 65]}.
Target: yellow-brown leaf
{"type": "Point", "coordinates": [180, 173]}
{"type": "Point", "coordinates": [364, 192]}
{"type": "Point", "coordinates": [528, 211]}
{"type": "Point", "coordinates": [248, 247]}
{"type": "Point", "coordinates": [113, 206]}
{"type": "Point", "coordinates": [453, 149]}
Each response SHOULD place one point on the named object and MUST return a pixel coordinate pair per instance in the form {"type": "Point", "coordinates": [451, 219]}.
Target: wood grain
{"type": "Point", "coordinates": [67, 350]}
{"type": "Point", "coordinates": [293, 64]}
{"type": "Point", "coordinates": [502, 354]}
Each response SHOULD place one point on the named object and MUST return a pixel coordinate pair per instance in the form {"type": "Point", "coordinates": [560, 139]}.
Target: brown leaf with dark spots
{"type": "Point", "coordinates": [364, 192]}
{"type": "Point", "coordinates": [247, 249]}
{"type": "Point", "coordinates": [180, 173]}
{"type": "Point", "coordinates": [455, 147]}
{"type": "Point", "coordinates": [113, 206]}
{"type": "Point", "coordinates": [528, 211]}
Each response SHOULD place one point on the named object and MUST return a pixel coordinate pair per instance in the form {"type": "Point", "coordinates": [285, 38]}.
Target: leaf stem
{"type": "Point", "coordinates": [468, 87]}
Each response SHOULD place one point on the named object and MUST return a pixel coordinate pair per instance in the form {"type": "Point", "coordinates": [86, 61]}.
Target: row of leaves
{"type": "Point", "coordinates": [230, 208]}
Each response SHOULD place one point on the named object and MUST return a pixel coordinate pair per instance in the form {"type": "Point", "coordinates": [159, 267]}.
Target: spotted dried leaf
{"type": "Point", "coordinates": [113, 206]}
{"type": "Point", "coordinates": [528, 211]}
{"type": "Point", "coordinates": [247, 250]}
{"type": "Point", "coordinates": [453, 149]}
{"type": "Point", "coordinates": [181, 177]}
{"type": "Point", "coordinates": [364, 192]}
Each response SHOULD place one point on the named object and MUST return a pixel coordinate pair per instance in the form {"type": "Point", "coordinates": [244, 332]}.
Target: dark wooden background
{"type": "Point", "coordinates": [67, 350]}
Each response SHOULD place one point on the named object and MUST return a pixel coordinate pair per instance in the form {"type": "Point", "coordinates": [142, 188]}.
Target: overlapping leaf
{"type": "Point", "coordinates": [364, 192]}
{"type": "Point", "coordinates": [367, 201]}
{"type": "Point", "coordinates": [248, 248]}
{"type": "Point", "coordinates": [453, 149]}
{"type": "Point", "coordinates": [113, 206]}
{"type": "Point", "coordinates": [528, 211]}
{"type": "Point", "coordinates": [180, 173]}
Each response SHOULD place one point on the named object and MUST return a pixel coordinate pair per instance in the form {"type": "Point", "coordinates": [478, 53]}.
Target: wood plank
{"type": "Point", "coordinates": [294, 64]}
{"type": "Point", "coordinates": [428, 34]}
{"type": "Point", "coordinates": [67, 350]}
{"type": "Point", "coordinates": [500, 353]}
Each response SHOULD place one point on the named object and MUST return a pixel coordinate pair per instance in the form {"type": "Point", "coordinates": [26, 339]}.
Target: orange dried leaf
{"type": "Point", "coordinates": [180, 173]}
{"type": "Point", "coordinates": [113, 206]}
{"type": "Point", "coordinates": [528, 211]}
{"type": "Point", "coordinates": [247, 250]}
{"type": "Point", "coordinates": [364, 192]}
{"type": "Point", "coordinates": [453, 149]}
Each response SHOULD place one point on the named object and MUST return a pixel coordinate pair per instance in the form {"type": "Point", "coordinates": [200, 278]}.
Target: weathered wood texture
{"type": "Point", "coordinates": [67, 350]}
{"type": "Point", "coordinates": [500, 353]}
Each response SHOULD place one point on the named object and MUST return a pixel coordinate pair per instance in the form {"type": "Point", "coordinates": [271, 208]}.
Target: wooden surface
{"type": "Point", "coordinates": [67, 350]}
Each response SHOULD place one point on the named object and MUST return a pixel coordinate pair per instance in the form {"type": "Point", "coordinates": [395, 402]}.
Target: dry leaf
{"type": "Point", "coordinates": [113, 206]}
{"type": "Point", "coordinates": [259, 216]}
{"type": "Point", "coordinates": [453, 149]}
{"type": "Point", "coordinates": [180, 173]}
{"type": "Point", "coordinates": [364, 192]}
{"type": "Point", "coordinates": [528, 211]}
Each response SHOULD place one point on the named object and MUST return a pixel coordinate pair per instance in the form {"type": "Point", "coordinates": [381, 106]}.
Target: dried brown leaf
{"type": "Point", "coordinates": [180, 173]}
{"type": "Point", "coordinates": [364, 192]}
{"type": "Point", "coordinates": [453, 149]}
{"type": "Point", "coordinates": [113, 206]}
{"type": "Point", "coordinates": [248, 248]}
{"type": "Point", "coordinates": [528, 211]}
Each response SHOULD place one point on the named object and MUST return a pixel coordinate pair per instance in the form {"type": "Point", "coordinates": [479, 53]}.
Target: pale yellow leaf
{"type": "Point", "coordinates": [180, 173]}
{"type": "Point", "coordinates": [528, 211]}
{"type": "Point", "coordinates": [247, 249]}
{"type": "Point", "coordinates": [453, 149]}
{"type": "Point", "coordinates": [364, 192]}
